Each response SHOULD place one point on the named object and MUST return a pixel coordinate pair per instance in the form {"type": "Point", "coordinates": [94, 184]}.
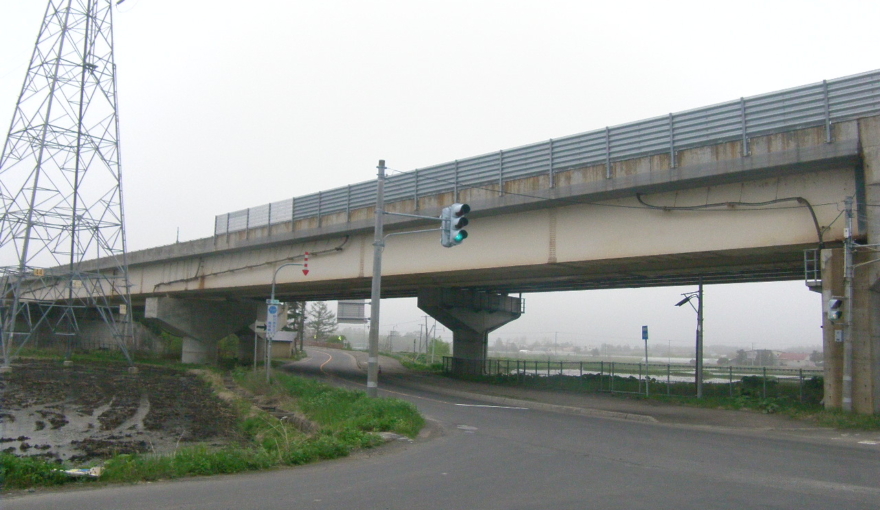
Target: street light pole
{"type": "Point", "coordinates": [376, 291]}
{"type": "Point", "coordinates": [688, 297]}
{"type": "Point", "coordinates": [271, 334]}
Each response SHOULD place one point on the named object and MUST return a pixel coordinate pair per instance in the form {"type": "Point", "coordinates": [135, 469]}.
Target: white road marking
{"type": "Point", "coordinates": [493, 407]}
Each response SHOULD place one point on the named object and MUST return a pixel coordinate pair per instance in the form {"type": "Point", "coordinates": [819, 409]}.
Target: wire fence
{"type": "Point", "coordinates": [801, 384]}
{"type": "Point", "coordinates": [814, 105]}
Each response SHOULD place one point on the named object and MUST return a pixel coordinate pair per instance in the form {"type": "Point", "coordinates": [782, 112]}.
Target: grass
{"type": "Point", "coordinates": [747, 393]}
{"type": "Point", "coordinates": [348, 420]}
{"type": "Point", "coordinates": [337, 410]}
{"type": "Point", "coordinates": [20, 472]}
{"type": "Point", "coordinates": [419, 362]}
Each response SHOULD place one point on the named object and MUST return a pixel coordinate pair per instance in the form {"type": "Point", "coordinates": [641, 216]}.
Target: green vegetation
{"type": "Point", "coordinates": [417, 362]}
{"type": "Point", "coordinates": [337, 411]}
{"type": "Point", "coordinates": [346, 420]}
{"type": "Point", "coordinates": [17, 472]}
{"type": "Point", "coordinates": [430, 362]}
{"type": "Point", "coordinates": [770, 395]}
{"type": "Point", "coordinates": [321, 321]}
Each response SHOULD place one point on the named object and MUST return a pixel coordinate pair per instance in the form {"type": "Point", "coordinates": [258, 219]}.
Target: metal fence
{"type": "Point", "coordinates": [818, 104]}
{"type": "Point", "coordinates": [669, 379]}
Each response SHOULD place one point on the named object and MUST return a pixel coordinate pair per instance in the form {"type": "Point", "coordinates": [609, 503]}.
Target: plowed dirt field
{"type": "Point", "coordinates": [93, 410]}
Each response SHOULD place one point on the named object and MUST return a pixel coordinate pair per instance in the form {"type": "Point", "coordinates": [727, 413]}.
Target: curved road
{"type": "Point", "coordinates": [476, 455]}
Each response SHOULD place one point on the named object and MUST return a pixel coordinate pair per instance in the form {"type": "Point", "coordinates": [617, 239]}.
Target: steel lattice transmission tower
{"type": "Point", "coordinates": [61, 186]}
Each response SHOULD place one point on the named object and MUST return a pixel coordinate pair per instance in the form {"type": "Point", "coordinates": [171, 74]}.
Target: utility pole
{"type": "Point", "coordinates": [433, 343]}
{"type": "Point", "coordinates": [688, 298]}
{"type": "Point", "coordinates": [699, 374]}
{"type": "Point", "coordinates": [647, 377]}
{"type": "Point", "coordinates": [376, 291]}
{"type": "Point", "coordinates": [427, 338]}
{"type": "Point", "coordinates": [452, 233]}
{"type": "Point", "coordinates": [847, 387]}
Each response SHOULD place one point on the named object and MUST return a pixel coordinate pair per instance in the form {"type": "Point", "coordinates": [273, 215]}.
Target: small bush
{"type": "Point", "coordinates": [20, 472]}
{"type": "Point", "coordinates": [814, 390]}
{"type": "Point", "coordinates": [753, 386]}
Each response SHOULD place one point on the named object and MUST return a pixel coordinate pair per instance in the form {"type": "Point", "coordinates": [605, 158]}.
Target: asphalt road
{"type": "Point", "coordinates": [476, 455]}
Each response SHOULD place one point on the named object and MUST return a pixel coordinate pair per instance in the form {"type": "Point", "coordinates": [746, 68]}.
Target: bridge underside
{"type": "Point", "coordinates": [718, 267]}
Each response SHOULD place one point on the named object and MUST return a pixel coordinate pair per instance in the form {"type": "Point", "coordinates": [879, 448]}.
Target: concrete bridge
{"type": "Point", "coordinates": [734, 192]}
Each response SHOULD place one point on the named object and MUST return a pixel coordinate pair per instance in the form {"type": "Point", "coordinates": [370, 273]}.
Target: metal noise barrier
{"type": "Point", "coordinates": [818, 104]}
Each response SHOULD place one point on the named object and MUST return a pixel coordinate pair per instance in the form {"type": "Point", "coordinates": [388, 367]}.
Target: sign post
{"type": "Point", "coordinates": [271, 328]}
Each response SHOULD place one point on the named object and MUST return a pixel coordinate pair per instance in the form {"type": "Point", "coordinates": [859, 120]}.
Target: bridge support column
{"type": "Point", "coordinates": [201, 323]}
{"type": "Point", "coordinates": [866, 281]}
{"type": "Point", "coordinates": [470, 315]}
{"type": "Point", "coordinates": [866, 291]}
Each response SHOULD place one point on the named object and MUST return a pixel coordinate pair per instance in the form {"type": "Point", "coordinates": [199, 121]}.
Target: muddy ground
{"type": "Point", "coordinates": [93, 410]}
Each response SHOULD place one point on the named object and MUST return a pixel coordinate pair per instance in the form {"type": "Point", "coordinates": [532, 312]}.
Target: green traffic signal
{"type": "Point", "coordinates": [453, 223]}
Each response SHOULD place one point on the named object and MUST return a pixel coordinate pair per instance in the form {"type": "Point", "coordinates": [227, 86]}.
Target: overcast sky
{"type": "Point", "coordinates": [228, 105]}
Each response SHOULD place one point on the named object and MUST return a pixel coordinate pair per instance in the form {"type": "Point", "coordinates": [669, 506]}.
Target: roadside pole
{"type": "Point", "coordinates": [848, 272]}
{"type": "Point", "coordinates": [699, 372]}
{"type": "Point", "coordinates": [647, 377]}
{"type": "Point", "coordinates": [688, 298]}
{"type": "Point", "coordinates": [271, 326]}
{"type": "Point", "coordinates": [272, 309]}
{"type": "Point", "coordinates": [379, 246]}
{"type": "Point", "coordinates": [376, 291]}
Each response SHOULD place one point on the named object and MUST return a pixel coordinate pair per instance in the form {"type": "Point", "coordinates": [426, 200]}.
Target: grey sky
{"type": "Point", "coordinates": [228, 105]}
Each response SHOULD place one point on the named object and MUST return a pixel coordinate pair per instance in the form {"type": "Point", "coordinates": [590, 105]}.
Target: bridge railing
{"type": "Point", "coordinates": [818, 104]}
{"type": "Point", "coordinates": [803, 384]}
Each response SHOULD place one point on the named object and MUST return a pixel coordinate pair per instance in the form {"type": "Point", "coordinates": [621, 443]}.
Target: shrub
{"type": "Point", "coordinates": [19, 472]}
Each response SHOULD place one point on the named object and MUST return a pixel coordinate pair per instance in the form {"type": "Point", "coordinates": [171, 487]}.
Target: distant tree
{"type": "Point", "coordinates": [321, 321]}
{"type": "Point", "coordinates": [296, 321]}
{"type": "Point", "coordinates": [339, 340]}
{"type": "Point", "coordinates": [723, 361]}
{"type": "Point", "coordinates": [594, 352]}
{"type": "Point", "coordinates": [817, 357]}
{"type": "Point", "coordinates": [742, 358]}
{"type": "Point", "coordinates": [439, 348]}
{"type": "Point", "coordinates": [765, 358]}
{"type": "Point", "coordinates": [295, 311]}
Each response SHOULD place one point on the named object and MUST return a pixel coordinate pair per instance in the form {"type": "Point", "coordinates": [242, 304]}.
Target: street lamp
{"type": "Point", "coordinates": [688, 298]}
{"type": "Point", "coordinates": [270, 333]}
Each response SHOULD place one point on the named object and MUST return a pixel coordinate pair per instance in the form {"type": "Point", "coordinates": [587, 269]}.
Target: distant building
{"type": "Point", "coordinates": [283, 343]}
{"type": "Point", "coordinates": [794, 359]}
{"type": "Point", "coordinates": [755, 358]}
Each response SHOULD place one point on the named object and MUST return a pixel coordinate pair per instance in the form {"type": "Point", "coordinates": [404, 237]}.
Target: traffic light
{"type": "Point", "coordinates": [452, 232]}
{"type": "Point", "coordinates": [834, 309]}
